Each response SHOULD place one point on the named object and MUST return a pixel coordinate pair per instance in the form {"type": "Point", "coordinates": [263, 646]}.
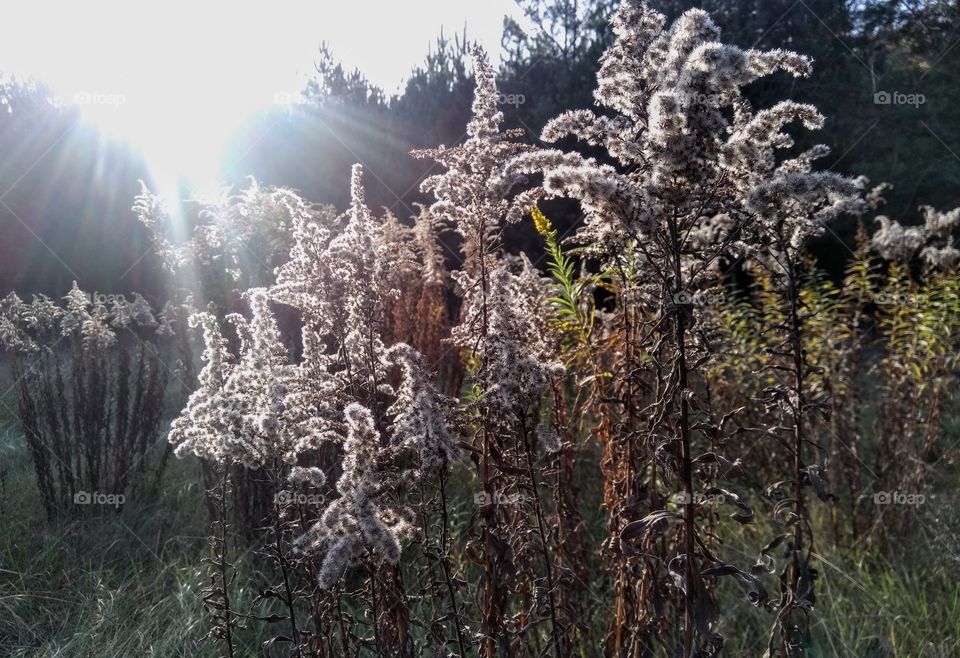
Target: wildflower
{"type": "Point", "coordinates": [685, 159]}
{"type": "Point", "coordinates": [541, 223]}
{"type": "Point", "coordinates": [471, 193]}
{"type": "Point", "coordinates": [503, 313]}
{"type": "Point", "coordinates": [365, 514]}
{"type": "Point", "coordinates": [932, 241]}
{"type": "Point", "coordinates": [260, 408]}
{"type": "Point", "coordinates": [421, 414]}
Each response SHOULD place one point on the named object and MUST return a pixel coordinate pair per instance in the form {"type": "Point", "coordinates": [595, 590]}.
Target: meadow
{"type": "Point", "coordinates": [666, 431]}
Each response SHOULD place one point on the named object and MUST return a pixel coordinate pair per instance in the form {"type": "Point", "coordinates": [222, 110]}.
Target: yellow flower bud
{"type": "Point", "coordinates": [541, 223]}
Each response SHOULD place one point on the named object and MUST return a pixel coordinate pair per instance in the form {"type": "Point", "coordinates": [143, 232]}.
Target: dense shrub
{"type": "Point", "coordinates": [91, 380]}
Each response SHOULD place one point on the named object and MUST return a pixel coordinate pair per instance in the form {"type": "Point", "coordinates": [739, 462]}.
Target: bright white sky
{"type": "Point", "coordinates": [177, 77]}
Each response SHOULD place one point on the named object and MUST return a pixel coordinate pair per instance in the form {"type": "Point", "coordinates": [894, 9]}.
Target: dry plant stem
{"type": "Point", "coordinates": [569, 524]}
{"type": "Point", "coordinates": [399, 612]}
{"type": "Point", "coordinates": [799, 364]}
{"type": "Point", "coordinates": [285, 570]}
{"type": "Point", "coordinates": [801, 542]}
{"type": "Point", "coordinates": [490, 608]}
{"type": "Point", "coordinates": [89, 424]}
{"type": "Point", "coordinates": [444, 563]}
{"type": "Point", "coordinates": [622, 578]}
{"type": "Point", "coordinates": [489, 623]}
{"type": "Point", "coordinates": [374, 612]}
{"type": "Point", "coordinates": [221, 557]}
{"type": "Point", "coordinates": [315, 612]}
{"type": "Point", "coordinates": [541, 529]}
{"type": "Point", "coordinates": [687, 462]}
{"type": "Point", "coordinates": [343, 630]}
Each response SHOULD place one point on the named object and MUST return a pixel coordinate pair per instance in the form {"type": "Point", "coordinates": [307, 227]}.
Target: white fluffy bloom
{"type": "Point", "coordinates": [259, 408]}
{"type": "Point", "coordinates": [932, 240]}
{"type": "Point", "coordinates": [470, 194]}
{"type": "Point", "coordinates": [226, 228]}
{"type": "Point", "coordinates": [688, 168]}
{"type": "Point", "coordinates": [170, 316]}
{"type": "Point", "coordinates": [137, 312]}
{"type": "Point", "coordinates": [88, 318]}
{"type": "Point", "coordinates": [504, 312]}
{"type": "Point", "coordinates": [350, 277]}
{"type": "Point", "coordinates": [421, 414]}
{"type": "Point", "coordinates": [367, 513]}
{"type": "Point", "coordinates": [237, 411]}
{"type": "Point", "coordinates": [206, 423]}
{"type": "Point", "coordinates": [307, 475]}
{"type": "Point", "coordinates": [505, 326]}
{"type": "Point", "coordinates": [14, 314]}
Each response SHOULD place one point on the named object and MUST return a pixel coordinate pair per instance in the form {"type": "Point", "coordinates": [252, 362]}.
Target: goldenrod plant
{"type": "Point", "coordinates": [665, 432]}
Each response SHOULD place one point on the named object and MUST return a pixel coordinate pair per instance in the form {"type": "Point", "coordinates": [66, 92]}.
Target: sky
{"type": "Point", "coordinates": [176, 78]}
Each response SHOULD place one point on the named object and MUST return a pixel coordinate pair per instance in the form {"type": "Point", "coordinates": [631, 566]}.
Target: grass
{"type": "Point", "coordinates": [130, 584]}
{"type": "Point", "coordinates": [868, 607]}
{"type": "Point", "coordinates": [118, 585]}
{"type": "Point", "coordinates": [902, 603]}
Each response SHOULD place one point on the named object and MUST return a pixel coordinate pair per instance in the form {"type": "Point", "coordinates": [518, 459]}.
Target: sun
{"type": "Point", "coordinates": [182, 97]}
{"type": "Point", "coordinates": [176, 80]}
{"type": "Point", "coordinates": [182, 131]}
